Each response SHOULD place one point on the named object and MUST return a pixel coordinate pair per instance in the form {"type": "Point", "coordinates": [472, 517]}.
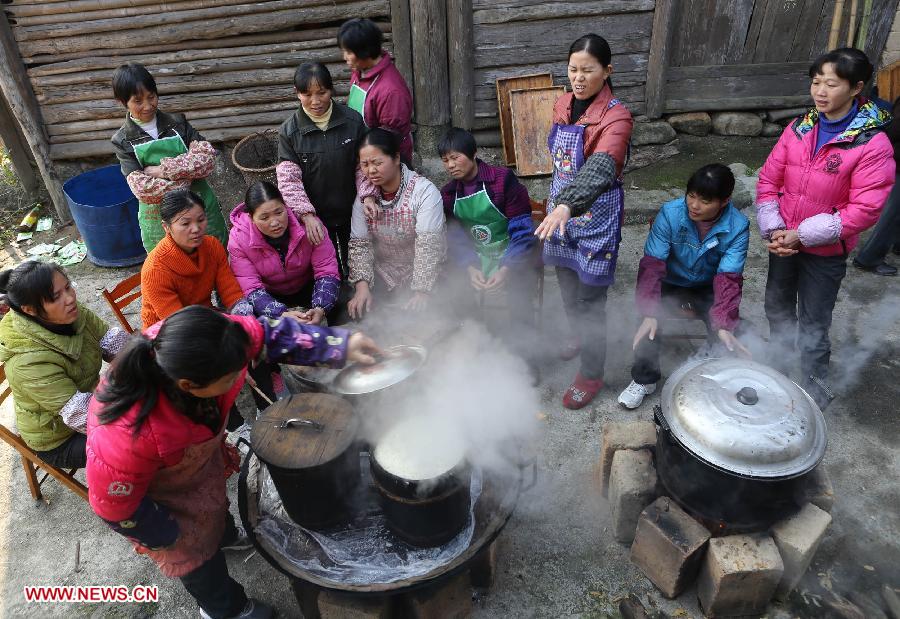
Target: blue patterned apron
{"type": "Point", "coordinates": [589, 244]}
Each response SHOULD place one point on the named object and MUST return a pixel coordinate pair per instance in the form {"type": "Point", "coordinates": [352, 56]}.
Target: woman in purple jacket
{"type": "Point", "coordinates": [377, 90]}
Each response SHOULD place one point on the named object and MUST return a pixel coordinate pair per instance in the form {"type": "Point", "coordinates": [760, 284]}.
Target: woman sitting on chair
{"type": "Point", "coordinates": [52, 348]}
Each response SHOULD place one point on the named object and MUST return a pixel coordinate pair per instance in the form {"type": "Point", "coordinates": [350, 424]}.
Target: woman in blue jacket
{"type": "Point", "coordinates": [694, 259]}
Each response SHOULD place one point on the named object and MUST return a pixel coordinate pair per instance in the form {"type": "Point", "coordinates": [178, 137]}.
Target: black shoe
{"type": "Point", "coordinates": [819, 391]}
{"type": "Point", "coordinates": [882, 268]}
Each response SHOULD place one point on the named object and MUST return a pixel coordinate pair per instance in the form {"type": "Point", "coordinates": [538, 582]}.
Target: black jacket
{"type": "Point", "coordinates": [327, 159]}
{"type": "Point", "coordinates": [130, 134]}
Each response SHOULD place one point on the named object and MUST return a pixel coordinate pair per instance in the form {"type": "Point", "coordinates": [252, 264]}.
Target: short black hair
{"type": "Point", "coordinates": [31, 284]}
{"type": "Point", "coordinates": [310, 72]}
{"type": "Point", "coordinates": [458, 140]}
{"type": "Point", "coordinates": [362, 37]}
{"type": "Point", "coordinates": [177, 201]}
{"type": "Point", "coordinates": [712, 182]}
{"type": "Point", "coordinates": [386, 141]}
{"type": "Point", "coordinates": [849, 63]}
{"type": "Point", "coordinates": [131, 78]}
{"type": "Point", "coordinates": [260, 192]}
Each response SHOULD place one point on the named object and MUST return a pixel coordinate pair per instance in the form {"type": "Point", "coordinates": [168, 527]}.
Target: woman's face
{"type": "Point", "coordinates": [832, 94]}
{"type": "Point", "coordinates": [704, 209]}
{"type": "Point", "coordinates": [188, 228]}
{"type": "Point", "coordinates": [458, 166]}
{"type": "Point", "coordinates": [316, 99]}
{"type": "Point", "coordinates": [271, 218]}
{"type": "Point", "coordinates": [62, 309]}
{"type": "Point", "coordinates": [355, 62]}
{"type": "Point", "coordinates": [142, 105]}
{"type": "Point", "coordinates": [213, 390]}
{"type": "Point", "coordinates": [380, 168]}
{"type": "Point", "coordinates": [587, 75]}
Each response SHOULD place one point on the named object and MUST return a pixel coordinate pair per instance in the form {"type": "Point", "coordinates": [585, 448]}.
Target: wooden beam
{"type": "Point", "coordinates": [658, 59]}
{"type": "Point", "coordinates": [25, 110]}
{"type": "Point", "coordinates": [461, 61]}
{"type": "Point", "coordinates": [17, 148]}
{"type": "Point", "coordinates": [556, 10]}
{"type": "Point", "coordinates": [431, 83]}
{"type": "Point", "coordinates": [402, 38]}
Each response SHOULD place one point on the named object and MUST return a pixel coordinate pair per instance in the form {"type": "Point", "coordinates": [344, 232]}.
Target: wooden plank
{"type": "Point", "coordinates": [462, 50]}
{"type": "Point", "coordinates": [17, 147]}
{"type": "Point", "coordinates": [811, 16]}
{"type": "Point", "coordinates": [776, 39]}
{"type": "Point", "coordinates": [488, 92]}
{"type": "Point", "coordinates": [676, 106]}
{"type": "Point", "coordinates": [888, 80]}
{"type": "Point", "coordinates": [431, 82]}
{"type": "Point", "coordinates": [557, 10]}
{"type": "Point", "coordinates": [658, 58]}
{"type": "Point", "coordinates": [880, 22]}
{"type": "Point", "coordinates": [27, 114]}
{"type": "Point", "coordinates": [27, 9]}
{"type": "Point", "coordinates": [632, 97]}
{"type": "Point", "coordinates": [205, 29]}
{"type": "Point", "coordinates": [515, 4]}
{"type": "Point", "coordinates": [400, 26]}
{"type": "Point", "coordinates": [107, 13]}
{"type": "Point", "coordinates": [503, 87]}
{"type": "Point", "coordinates": [532, 117]}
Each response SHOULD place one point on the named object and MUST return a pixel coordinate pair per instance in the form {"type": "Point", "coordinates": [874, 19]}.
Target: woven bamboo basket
{"type": "Point", "coordinates": [256, 156]}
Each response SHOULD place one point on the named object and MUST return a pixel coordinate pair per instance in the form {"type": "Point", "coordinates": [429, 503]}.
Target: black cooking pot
{"type": "Point", "coordinates": [735, 442]}
{"type": "Point", "coordinates": [309, 444]}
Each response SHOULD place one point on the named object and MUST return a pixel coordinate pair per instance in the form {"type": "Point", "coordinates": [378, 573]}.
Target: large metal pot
{"type": "Point", "coordinates": [735, 441]}
{"type": "Point", "coordinates": [309, 444]}
{"type": "Point", "coordinates": [423, 488]}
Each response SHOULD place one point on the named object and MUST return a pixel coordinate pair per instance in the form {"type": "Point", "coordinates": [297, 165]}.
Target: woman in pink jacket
{"type": "Point", "coordinates": [825, 182]}
{"type": "Point", "coordinates": [157, 462]}
{"type": "Point", "coordinates": [276, 265]}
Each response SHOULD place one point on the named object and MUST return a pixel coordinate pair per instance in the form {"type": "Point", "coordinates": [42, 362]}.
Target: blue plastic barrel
{"type": "Point", "coordinates": [105, 212]}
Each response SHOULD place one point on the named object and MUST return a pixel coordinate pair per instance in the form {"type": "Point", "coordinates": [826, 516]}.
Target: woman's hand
{"type": "Point", "coordinates": [361, 349]}
{"type": "Point", "coordinates": [418, 302]}
{"type": "Point", "coordinates": [555, 220]}
{"type": "Point", "coordinates": [314, 228]}
{"type": "Point", "coordinates": [155, 171]}
{"type": "Point", "coordinates": [370, 207]}
{"type": "Point", "coordinates": [733, 344]}
{"type": "Point", "coordinates": [496, 281]}
{"type": "Point", "coordinates": [476, 277]}
{"type": "Point", "coordinates": [361, 302]}
{"type": "Point", "coordinates": [309, 317]}
{"type": "Point", "coordinates": [784, 243]}
{"type": "Point", "coordinates": [647, 329]}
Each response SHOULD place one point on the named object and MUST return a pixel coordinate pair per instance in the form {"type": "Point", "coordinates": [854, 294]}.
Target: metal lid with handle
{"type": "Point", "coordinates": [744, 417]}
{"type": "Point", "coordinates": [396, 364]}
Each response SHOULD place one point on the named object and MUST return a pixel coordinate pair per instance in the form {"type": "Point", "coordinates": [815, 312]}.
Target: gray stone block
{"type": "Point", "coordinates": [737, 123]}
{"type": "Point", "coordinates": [617, 435]}
{"type": "Point", "coordinates": [798, 538]}
{"type": "Point", "coordinates": [632, 486]}
{"type": "Point", "coordinates": [657, 132]}
{"type": "Point", "coordinates": [739, 576]}
{"type": "Point", "coordinates": [692, 123]}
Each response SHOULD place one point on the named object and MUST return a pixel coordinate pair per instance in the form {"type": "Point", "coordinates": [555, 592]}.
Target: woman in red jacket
{"type": "Point", "coordinates": [156, 457]}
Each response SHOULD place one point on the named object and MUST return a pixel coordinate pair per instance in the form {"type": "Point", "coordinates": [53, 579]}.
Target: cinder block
{"type": "Point", "coordinates": [623, 435]}
{"type": "Point", "coordinates": [632, 486]}
{"type": "Point", "coordinates": [448, 599]}
{"type": "Point", "coordinates": [484, 566]}
{"type": "Point", "coordinates": [797, 539]}
{"type": "Point", "coordinates": [338, 606]}
{"type": "Point", "coordinates": [668, 546]}
{"type": "Point", "coordinates": [739, 575]}
{"type": "Point", "coordinates": [818, 489]}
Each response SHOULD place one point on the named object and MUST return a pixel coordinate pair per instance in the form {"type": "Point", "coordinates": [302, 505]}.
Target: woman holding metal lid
{"type": "Point", "coordinates": [377, 90]}
{"type": "Point", "coordinates": [589, 146]}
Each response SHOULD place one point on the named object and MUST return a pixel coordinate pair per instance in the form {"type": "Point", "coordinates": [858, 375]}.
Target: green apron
{"type": "Point", "coordinates": [356, 100]}
{"type": "Point", "coordinates": [487, 225]}
{"type": "Point", "coordinates": [151, 153]}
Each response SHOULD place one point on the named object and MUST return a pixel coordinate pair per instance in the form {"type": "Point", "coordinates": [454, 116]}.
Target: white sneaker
{"type": "Point", "coordinates": [634, 394]}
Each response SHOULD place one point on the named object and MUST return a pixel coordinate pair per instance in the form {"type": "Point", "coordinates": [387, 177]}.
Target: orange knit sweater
{"type": "Point", "coordinates": [172, 279]}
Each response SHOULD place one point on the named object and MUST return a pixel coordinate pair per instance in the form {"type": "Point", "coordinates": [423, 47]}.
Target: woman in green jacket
{"type": "Point", "coordinates": [52, 348]}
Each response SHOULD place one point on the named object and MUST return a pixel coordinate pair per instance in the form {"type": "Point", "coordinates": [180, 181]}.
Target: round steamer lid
{"type": "Point", "coordinates": [301, 446]}
{"type": "Point", "coordinates": [396, 364]}
{"type": "Point", "coordinates": [744, 417]}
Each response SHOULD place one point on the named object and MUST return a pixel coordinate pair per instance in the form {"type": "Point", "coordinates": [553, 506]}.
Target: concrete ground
{"type": "Point", "coordinates": [557, 556]}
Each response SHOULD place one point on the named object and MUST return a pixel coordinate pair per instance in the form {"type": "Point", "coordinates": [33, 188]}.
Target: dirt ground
{"type": "Point", "coordinates": [557, 556]}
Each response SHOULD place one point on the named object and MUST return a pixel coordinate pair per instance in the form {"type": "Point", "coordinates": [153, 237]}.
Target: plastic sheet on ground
{"type": "Point", "coordinates": [362, 552]}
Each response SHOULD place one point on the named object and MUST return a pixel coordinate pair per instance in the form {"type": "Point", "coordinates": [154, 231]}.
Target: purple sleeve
{"type": "Point", "coordinates": [288, 341]}
{"type": "Point", "coordinates": [821, 229]}
{"type": "Point", "coordinates": [768, 217]}
{"type": "Point", "coordinates": [151, 525]}
{"type": "Point", "coordinates": [651, 272]}
{"type": "Point", "coordinates": [325, 292]}
{"type": "Point", "coordinates": [265, 304]}
{"type": "Point", "coordinates": [726, 300]}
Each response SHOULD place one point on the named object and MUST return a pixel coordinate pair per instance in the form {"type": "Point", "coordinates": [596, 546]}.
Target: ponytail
{"type": "Point", "coordinates": [195, 343]}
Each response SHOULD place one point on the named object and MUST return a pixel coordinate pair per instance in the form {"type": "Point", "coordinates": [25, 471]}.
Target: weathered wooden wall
{"type": "Point", "coordinates": [227, 64]}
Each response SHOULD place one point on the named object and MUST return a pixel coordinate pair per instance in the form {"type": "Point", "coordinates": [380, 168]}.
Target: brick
{"type": "Point", "coordinates": [818, 490]}
{"type": "Point", "coordinates": [739, 575]}
{"type": "Point", "coordinates": [448, 599]}
{"type": "Point", "coordinates": [484, 566]}
{"type": "Point", "coordinates": [340, 606]}
{"type": "Point", "coordinates": [623, 435]}
{"type": "Point", "coordinates": [668, 546]}
{"type": "Point", "coordinates": [797, 539]}
{"type": "Point", "coordinates": [632, 486]}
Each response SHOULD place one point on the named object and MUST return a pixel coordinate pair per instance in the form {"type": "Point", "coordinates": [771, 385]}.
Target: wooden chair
{"type": "Point", "coordinates": [538, 213]}
{"type": "Point", "coordinates": [31, 461]}
{"type": "Point", "coordinates": [121, 296]}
